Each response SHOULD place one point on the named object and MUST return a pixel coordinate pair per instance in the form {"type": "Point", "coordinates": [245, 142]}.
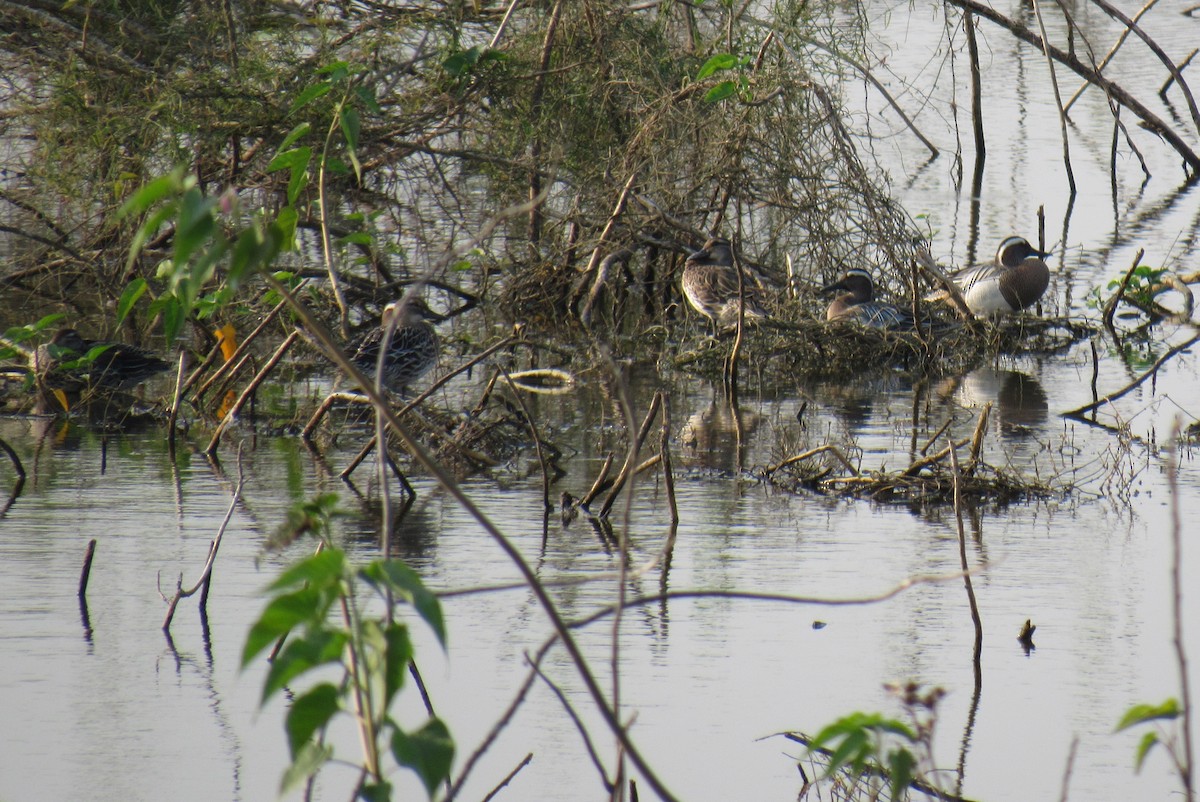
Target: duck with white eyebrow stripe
{"type": "Point", "coordinates": [1016, 280]}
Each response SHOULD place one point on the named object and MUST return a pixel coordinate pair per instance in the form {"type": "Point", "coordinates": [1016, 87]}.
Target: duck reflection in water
{"type": "Point", "coordinates": [1021, 406]}
{"type": "Point", "coordinates": [715, 438]}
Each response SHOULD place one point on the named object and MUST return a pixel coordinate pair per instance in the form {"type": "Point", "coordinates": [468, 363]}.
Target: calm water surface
{"type": "Point", "coordinates": [108, 708]}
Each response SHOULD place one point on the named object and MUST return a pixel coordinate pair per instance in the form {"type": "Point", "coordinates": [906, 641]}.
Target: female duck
{"type": "Point", "coordinates": [412, 351]}
{"type": "Point", "coordinates": [710, 284]}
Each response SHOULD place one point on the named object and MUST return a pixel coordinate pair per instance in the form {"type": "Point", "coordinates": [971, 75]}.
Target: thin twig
{"type": "Point", "coordinates": [664, 449]}
{"type": "Point", "coordinates": [962, 559]}
{"type": "Point", "coordinates": [1062, 114]}
{"type": "Point", "coordinates": [1112, 51]}
{"type": "Point", "coordinates": [512, 774]}
{"type": "Point", "coordinates": [180, 593]}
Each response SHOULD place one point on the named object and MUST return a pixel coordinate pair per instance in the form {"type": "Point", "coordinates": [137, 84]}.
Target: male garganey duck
{"type": "Point", "coordinates": [1016, 280]}
{"type": "Point", "coordinates": [856, 303]}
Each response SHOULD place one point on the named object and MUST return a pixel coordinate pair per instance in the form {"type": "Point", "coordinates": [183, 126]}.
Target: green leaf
{"type": "Point", "coordinates": [310, 760]}
{"type": "Point", "coordinates": [336, 70]}
{"type": "Point", "coordinates": [173, 315]}
{"type": "Point", "coordinates": [302, 654]}
{"type": "Point", "coordinates": [855, 749]}
{"type": "Point", "coordinates": [460, 63]}
{"type": "Point", "coordinates": [310, 713]}
{"type": "Point", "coordinates": [281, 616]}
{"type": "Point", "coordinates": [366, 95]}
{"type": "Point", "coordinates": [350, 128]}
{"type": "Point", "coordinates": [321, 570]}
{"type": "Point", "coordinates": [1144, 746]}
{"type": "Point", "coordinates": [429, 752]}
{"type": "Point", "coordinates": [309, 95]}
{"type": "Point", "coordinates": [243, 261]}
{"type": "Point", "coordinates": [357, 238]}
{"type": "Point", "coordinates": [721, 61]}
{"type": "Point", "coordinates": [399, 655]}
{"type": "Point", "coordinates": [148, 229]}
{"type": "Point", "coordinates": [296, 161]}
{"type": "Point", "coordinates": [289, 159]}
{"type": "Point", "coordinates": [300, 130]}
{"type": "Point", "coordinates": [406, 583]}
{"type": "Point", "coordinates": [901, 765]}
{"type": "Point", "coordinates": [195, 226]}
{"type": "Point", "coordinates": [372, 792]}
{"type": "Point", "coordinates": [721, 91]}
{"type": "Point", "coordinates": [1140, 714]}
{"type": "Point", "coordinates": [284, 228]}
{"type": "Point", "coordinates": [171, 184]}
{"type": "Point", "coordinates": [135, 290]}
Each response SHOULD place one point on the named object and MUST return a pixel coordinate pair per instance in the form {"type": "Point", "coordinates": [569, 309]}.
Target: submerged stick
{"type": "Point", "coordinates": [664, 449]}
{"type": "Point", "coordinates": [976, 438]}
{"type": "Point", "coordinates": [598, 485]}
{"type": "Point", "coordinates": [14, 459]}
{"type": "Point", "coordinates": [1162, 92]}
{"type": "Point", "coordinates": [1185, 762]}
{"type": "Point", "coordinates": [628, 468]}
{"type": "Point", "coordinates": [86, 573]}
{"type": "Point", "coordinates": [1070, 60]}
{"type": "Point", "coordinates": [1112, 51]}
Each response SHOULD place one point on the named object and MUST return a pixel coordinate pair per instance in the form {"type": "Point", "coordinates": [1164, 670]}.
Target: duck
{"type": "Point", "coordinates": [856, 304]}
{"type": "Point", "coordinates": [1015, 280]}
{"type": "Point", "coordinates": [710, 285]}
{"type": "Point", "coordinates": [412, 350]}
{"type": "Point", "coordinates": [113, 365]}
